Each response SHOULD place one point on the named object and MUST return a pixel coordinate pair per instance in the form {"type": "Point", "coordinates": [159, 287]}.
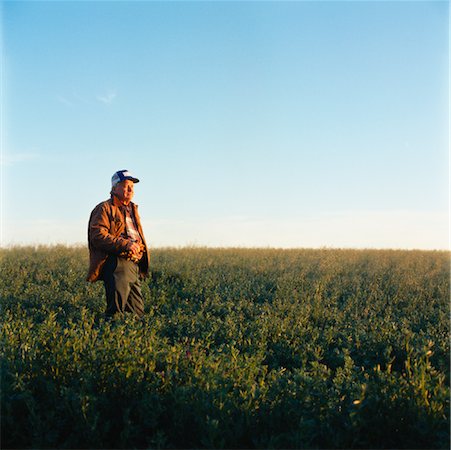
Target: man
{"type": "Point", "coordinates": [118, 253]}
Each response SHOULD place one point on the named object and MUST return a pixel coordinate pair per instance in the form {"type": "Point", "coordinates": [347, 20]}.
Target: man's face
{"type": "Point", "coordinates": [124, 191]}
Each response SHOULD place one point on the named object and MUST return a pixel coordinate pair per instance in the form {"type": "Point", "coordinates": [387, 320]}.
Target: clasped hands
{"type": "Point", "coordinates": [135, 251]}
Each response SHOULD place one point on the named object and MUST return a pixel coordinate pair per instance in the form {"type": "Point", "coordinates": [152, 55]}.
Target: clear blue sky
{"type": "Point", "coordinates": [285, 124]}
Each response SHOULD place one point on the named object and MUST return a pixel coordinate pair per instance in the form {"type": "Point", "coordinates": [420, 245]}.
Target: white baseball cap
{"type": "Point", "coordinates": [122, 175]}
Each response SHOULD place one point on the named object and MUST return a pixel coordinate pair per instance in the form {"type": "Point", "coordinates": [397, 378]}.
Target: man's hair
{"type": "Point", "coordinates": [112, 189]}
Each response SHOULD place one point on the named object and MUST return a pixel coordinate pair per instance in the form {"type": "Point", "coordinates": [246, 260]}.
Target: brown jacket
{"type": "Point", "coordinates": [106, 224]}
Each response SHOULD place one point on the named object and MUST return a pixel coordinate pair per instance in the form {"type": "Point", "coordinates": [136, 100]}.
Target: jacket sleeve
{"type": "Point", "coordinates": [104, 232]}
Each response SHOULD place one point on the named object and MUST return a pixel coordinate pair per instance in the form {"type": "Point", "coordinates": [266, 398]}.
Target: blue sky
{"type": "Point", "coordinates": [282, 124]}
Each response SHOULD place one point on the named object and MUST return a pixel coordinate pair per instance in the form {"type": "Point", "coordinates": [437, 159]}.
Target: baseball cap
{"type": "Point", "coordinates": [122, 175]}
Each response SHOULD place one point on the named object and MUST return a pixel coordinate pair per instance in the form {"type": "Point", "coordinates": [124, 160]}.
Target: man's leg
{"type": "Point", "coordinates": [135, 299]}
{"type": "Point", "coordinates": [112, 305]}
{"type": "Point", "coordinates": [122, 287]}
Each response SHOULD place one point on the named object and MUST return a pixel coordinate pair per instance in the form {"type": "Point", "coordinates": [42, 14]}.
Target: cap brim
{"type": "Point", "coordinates": [135, 180]}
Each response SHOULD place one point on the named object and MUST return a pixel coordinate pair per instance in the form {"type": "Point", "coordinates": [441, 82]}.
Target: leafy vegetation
{"type": "Point", "coordinates": [240, 348]}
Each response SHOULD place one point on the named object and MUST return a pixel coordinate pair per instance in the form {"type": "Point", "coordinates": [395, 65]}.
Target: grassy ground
{"type": "Point", "coordinates": [240, 348]}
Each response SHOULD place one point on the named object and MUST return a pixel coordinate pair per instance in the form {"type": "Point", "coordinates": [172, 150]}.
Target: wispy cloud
{"type": "Point", "coordinates": [351, 229]}
{"type": "Point", "coordinates": [347, 229]}
{"type": "Point", "coordinates": [9, 159]}
{"type": "Point", "coordinates": [108, 97]}
{"type": "Point", "coordinates": [42, 231]}
{"type": "Point", "coordinates": [73, 99]}
{"type": "Point", "coordinates": [65, 101]}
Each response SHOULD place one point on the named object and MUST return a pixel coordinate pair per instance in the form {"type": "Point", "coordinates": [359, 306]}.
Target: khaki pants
{"type": "Point", "coordinates": [122, 287]}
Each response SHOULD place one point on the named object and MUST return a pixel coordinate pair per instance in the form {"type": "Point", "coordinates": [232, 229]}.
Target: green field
{"type": "Point", "coordinates": [240, 348]}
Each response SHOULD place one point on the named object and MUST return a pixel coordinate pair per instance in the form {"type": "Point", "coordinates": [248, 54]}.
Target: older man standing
{"type": "Point", "coordinates": [118, 252]}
